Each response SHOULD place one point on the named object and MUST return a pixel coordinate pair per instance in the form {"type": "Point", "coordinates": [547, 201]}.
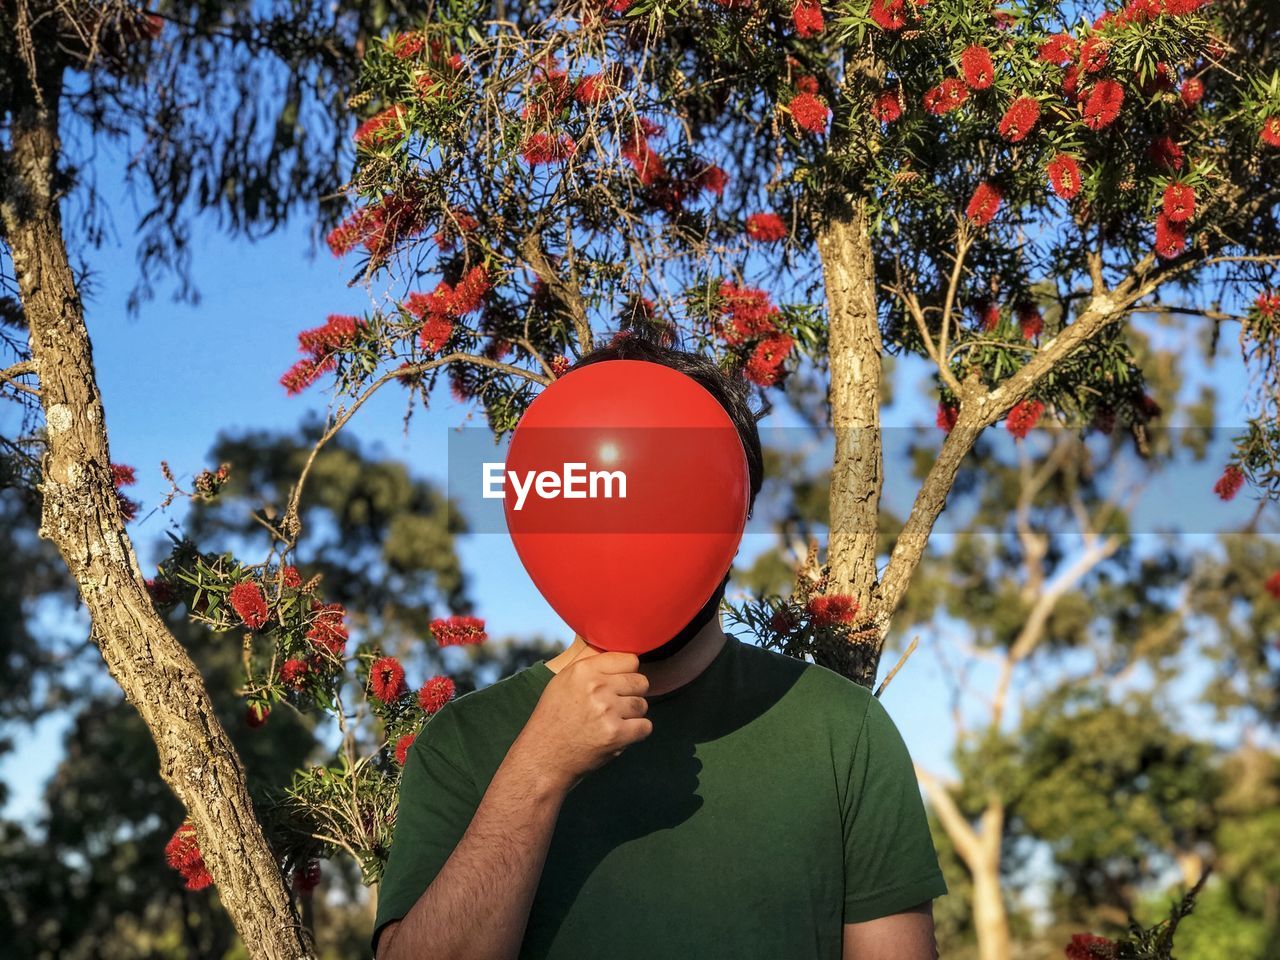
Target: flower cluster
{"type": "Point", "coordinates": [182, 852]}
{"type": "Point", "coordinates": [321, 346]}
{"type": "Point", "coordinates": [1023, 417]}
{"type": "Point", "coordinates": [122, 475]}
{"type": "Point", "coordinates": [458, 631]}
{"type": "Point", "coordinates": [438, 309]}
{"type": "Point", "coordinates": [750, 322]}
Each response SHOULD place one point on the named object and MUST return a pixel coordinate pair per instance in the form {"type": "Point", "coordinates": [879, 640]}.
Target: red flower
{"type": "Point", "coordinates": [1171, 236]}
{"type": "Point", "coordinates": [984, 203]}
{"type": "Point", "coordinates": [1191, 92]}
{"type": "Point", "coordinates": [807, 84]}
{"type": "Point", "coordinates": [947, 416]}
{"type": "Point", "coordinates": [1179, 202]}
{"type": "Point", "coordinates": [749, 311]}
{"type": "Point", "coordinates": [765, 366]}
{"type": "Point", "coordinates": [766, 226]}
{"type": "Point", "coordinates": [1102, 104]}
{"type": "Point", "coordinates": [402, 747]}
{"type": "Point", "coordinates": [1093, 54]}
{"type": "Point", "coordinates": [541, 148]}
{"type": "Point", "coordinates": [976, 64]}
{"type": "Point", "coordinates": [1023, 417]}
{"type": "Point", "coordinates": [807, 16]}
{"type": "Point", "coordinates": [1268, 303]}
{"type": "Point", "coordinates": [1030, 322]}
{"type": "Point", "coordinates": [888, 14]}
{"type": "Point", "coordinates": [887, 107]}
{"type": "Point", "coordinates": [593, 88]}
{"type": "Point", "coordinates": [328, 632]}
{"type": "Point", "coordinates": [434, 334]}
{"type": "Point", "coordinates": [712, 179]}
{"type": "Point", "coordinates": [1165, 153]}
{"type": "Point", "coordinates": [293, 673]}
{"type": "Point", "coordinates": [162, 592]}
{"type": "Point", "coordinates": [1071, 83]}
{"type": "Point", "coordinates": [560, 366]}
{"type": "Point", "coordinates": [1229, 483]}
{"type": "Point", "coordinates": [382, 127]}
{"type": "Point", "coordinates": [946, 96]}
{"type": "Point", "coordinates": [182, 852]}
{"type": "Point", "coordinates": [1059, 49]}
{"type": "Point", "coordinates": [386, 679]}
{"type": "Point", "coordinates": [306, 878]}
{"type": "Point", "coordinates": [459, 630]}
{"type": "Point", "coordinates": [1273, 585]}
{"type": "Point", "coordinates": [809, 112]}
{"type": "Point", "coordinates": [122, 475]}
{"type": "Point", "coordinates": [1019, 118]}
{"type": "Point", "coordinates": [833, 608]}
{"type": "Point", "coordinates": [1270, 133]}
{"type": "Point", "coordinates": [435, 693]}
{"type": "Point", "coordinates": [255, 715]}
{"type": "Point", "coordinates": [292, 577]}
{"type": "Point", "coordinates": [989, 314]}
{"type": "Point", "coordinates": [249, 603]}
{"type": "Point", "coordinates": [1085, 946]}
{"type": "Point", "coordinates": [1064, 176]}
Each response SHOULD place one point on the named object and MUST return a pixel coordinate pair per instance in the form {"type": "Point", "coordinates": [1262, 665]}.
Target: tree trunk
{"type": "Point", "coordinates": [989, 919]}
{"type": "Point", "coordinates": [857, 474]}
{"type": "Point", "coordinates": [81, 515]}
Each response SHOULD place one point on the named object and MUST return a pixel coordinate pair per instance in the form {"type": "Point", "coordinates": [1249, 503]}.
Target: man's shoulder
{"type": "Point", "coordinates": [514, 694]}
{"type": "Point", "coordinates": [816, 687]}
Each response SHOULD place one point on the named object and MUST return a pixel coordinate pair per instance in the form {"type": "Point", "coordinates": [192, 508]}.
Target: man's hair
{"type": "Point", "coordinates": [730, 390]}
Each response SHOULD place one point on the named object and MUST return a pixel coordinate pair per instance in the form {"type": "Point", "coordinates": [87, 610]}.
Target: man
{"type": "Point", "coordinates": [708, 799]}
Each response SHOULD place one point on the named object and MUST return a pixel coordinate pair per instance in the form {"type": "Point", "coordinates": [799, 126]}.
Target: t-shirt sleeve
{"type": "Point", "coordinates": [890, 864]}
{"type": "Point", "coordinates": [437, 802]}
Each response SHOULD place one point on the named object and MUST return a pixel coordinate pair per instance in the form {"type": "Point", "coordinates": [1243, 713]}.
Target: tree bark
{"type": "Point", "coordinates": [81, 515]}
{"type": "Point", "coordinates": [857, 473]}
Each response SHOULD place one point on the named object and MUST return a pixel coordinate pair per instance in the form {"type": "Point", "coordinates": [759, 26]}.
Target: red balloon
{"type": "Point", "coordinates": [625, 493]}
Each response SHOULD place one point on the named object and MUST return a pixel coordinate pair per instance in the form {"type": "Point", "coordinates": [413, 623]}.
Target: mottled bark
{"type": "Point", "coordinates": [82, 517]}
{"type": "Point", "coordinates": [857, 471]}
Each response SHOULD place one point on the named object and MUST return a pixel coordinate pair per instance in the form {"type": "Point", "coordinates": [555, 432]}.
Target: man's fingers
{"type": "Point", "coordinates": [628, 684]}
{"type": "Point", "coordinates": [616, 662]}
{"type": "Point", "coordinates": [633, 707]}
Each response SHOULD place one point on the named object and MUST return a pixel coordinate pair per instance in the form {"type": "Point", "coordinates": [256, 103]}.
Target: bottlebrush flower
{"type": "Point", "coordinates": [976, 65]}
{"type": "Point", "coordinates": [402, 747]}
{"type": "Point", "coordinates": [1270, 133]}
{"type": "Point", "coordinates": [255, 715]}
{"type": "Point", "coordinates": [1019, 119]}
{"type": "Point", "coordinates": [458, 630]}
{"type": "Point", "coordinates": [1273, 585]}
{"type": "Point", "coordinates": [1071, 83]}
{"type": "Point", "coordinates": [984, 203]}
{"type": "Point", "coordinates": [291, 577]}
{"type": "Point", "coordinates": [1064, 176]}
{"type": "Point", "coordinates": [1230, 482]}
{"type": "Point", "coordinates": [386, 679]}
{"type": "Point", "coordinates": [887, 107]}
{"type": "Point", "coordinates": [889, 14]}
{"type": "Point", "coordinates": [1102, 104]}
{"type": "Point", "coordinates": [1023, 417]}
{"type": "Point", "coordinates": [809, 112]}
{"type": "Point", "coordinates": [749, 312]}
{"type": "Point", "coordinates": [1179, 202]}
{"type": "Point", "coordinates": [947, 416]}
{"type": "Point", "coordinates": [765, 366]}
{"type": "Point", "coordinates": [1268, 303]}
{"type": "Point", "coordinates": [832, 608]}
{"type": "Point", "coordinates": [783, 620]}
{"type": "Point", "coordinates": [1191, 91]}
{"type": "Point", "coordinates": [434, 334]}
{"type": "Point", "coordinates": [807, 84]}
{"type": "Point", "coordinates": [161, 590]}
{"type": "Point", "coordinates": [182, 852]}
{"type": "Point", "coordinates": [766, 227]}
{"type": "Point", "coordinates": [1086, 946]}
{"type": "Point", "coordinates": [593, 88]}
{"type": "Point", "coordinates": [946, 96]}
{"type": "Point", "coordinates": [807, 16]}
{"type": "Point", "coordinates": [293, 673]}
{"type": "Point", "coordinates": [306, 878]}
{"type": "Point", "coordinates": [1059, 49]}
{"type": "Point", "coordinates": [121, 476]}
{"type": "Point", "coordinates": [542, 148]}
{"type": "Point", "coordinates": [1171, 236]}
{"type": "Point", "coordinates": [644, 160]}
{"type": "Point", "coordinates": [988, 315]}
{"type": "Point", "coordinates": [1165, 153]}
{"type": "Point", "coordinates": [711, 178]}
{"type": "Point", "coordinates": [1030, 322]}
{"type": "Point", "coordinates": [435, 693]}
{"type": "Point", "coordinates": [249, 604]}
{"type": "Point", "coordinates": [1093, 54]}
{"type": "Point", "coordinates": [382, 127]}
{"type": "Point", "coordinates": [339, 331]}
{"type": "Point", "coordinates": [328, 632]}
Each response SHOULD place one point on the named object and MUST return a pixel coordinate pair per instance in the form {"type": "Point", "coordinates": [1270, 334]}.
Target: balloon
{"type": "Point", "coordinates": [625, 493]}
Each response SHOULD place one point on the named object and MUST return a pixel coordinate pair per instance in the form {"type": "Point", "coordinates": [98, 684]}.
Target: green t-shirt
{"type": "Point", "coordinates": [773, 802]}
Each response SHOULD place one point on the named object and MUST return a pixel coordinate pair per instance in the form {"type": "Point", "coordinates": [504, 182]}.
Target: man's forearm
{"type": "Point", "coordinates": [478, 905]}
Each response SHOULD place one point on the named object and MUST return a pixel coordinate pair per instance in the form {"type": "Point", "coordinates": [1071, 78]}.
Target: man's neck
{"type": "Point", "coordinates": [673, 672]}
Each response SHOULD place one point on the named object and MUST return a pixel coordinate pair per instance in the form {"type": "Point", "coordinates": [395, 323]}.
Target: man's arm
{"type": "Point", "coordinates": [478, 905]}
{"type": "Point", "coordinates": [900, 936]}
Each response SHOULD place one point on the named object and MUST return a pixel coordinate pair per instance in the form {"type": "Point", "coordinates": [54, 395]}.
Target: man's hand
{"type": "Point", "coordinates": [588, 713]}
